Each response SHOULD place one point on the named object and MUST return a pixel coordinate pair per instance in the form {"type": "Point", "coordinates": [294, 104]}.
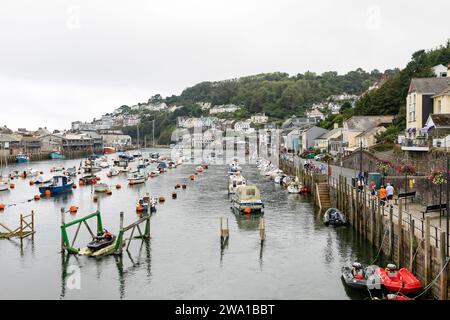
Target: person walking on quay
{"type": "Point", "coordinates": [372, 189]}
{"type": "Point", "coordinates": [382, 195]}
{"type": "Point", "coordinates": [360, 185]}
{"type": "Point", "coordinates": [390, 193]}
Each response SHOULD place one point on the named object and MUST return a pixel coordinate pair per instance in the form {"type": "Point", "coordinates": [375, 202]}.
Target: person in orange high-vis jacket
{"type": "Point", "coordinates": [383, 195]}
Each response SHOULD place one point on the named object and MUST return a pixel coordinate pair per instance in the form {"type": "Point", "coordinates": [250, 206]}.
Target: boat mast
{"type": "Point", "coordinates": [137, 129]}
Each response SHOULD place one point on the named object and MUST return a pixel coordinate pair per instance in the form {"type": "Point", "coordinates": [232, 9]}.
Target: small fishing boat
{"type": "Point", "coordinates": [362, 278]}
{"type": "Point", "coordinates": [59, 184]}
{"type": "Point", "coordinates": [334, 217]}
{"type": "Point", "coordinates": [162, 166]}
{"type": "Point", "coordinates": [234, 166]}
{"type": "Point", "coordinates": [89, 179]}
{"type": "Point", "coordinates": [91, 169]}
{"type": "Point", "coordinates": [234, 182]}
{"type": "Point", "coordinates": [103, 164]}
{"type": "Point", "coordinates": [112, 172]}
{"type": "Point", "coordinates": [31, 172]}
{"type": "Point", "coordinates": [247, 201]}
{"type": "Point", "coordinates": [136, 178]}
{"type": "Point", "coordinates": [294, 188]}
{"type": "Point", "coordinates": [126, 156]}
{"type": "Point", "coordinates": [57, 169]}
{"type": "Point", "coordinates": [137, 154]}
{"type": "Point", "coordinates": [55, 155]}
{"type": "Point", "coordinates": [101, 187]}
{"type": "Point", "coordinates": [154, 155]}
{"type": "Point", "coordinates": [22, 158]}
{"type": "Point", "coordinates": [14, 174]}
{"type": "Point", "coordinates": [124, 170]}
{"type": "Point", "coordinates": [400, 281]}
{"type": "Point", "coordinates": [101, 241]}
{"type": "Point", "coordinates": [199, 169]}
{"type": "Point", "coordinates": [146, 204]}
{"type": "Point", "coordinates": [171, 165]}
{"type": "Point", "coordinates": [142, 164]}
{"type": "Point", "coordinates": [71, 172]}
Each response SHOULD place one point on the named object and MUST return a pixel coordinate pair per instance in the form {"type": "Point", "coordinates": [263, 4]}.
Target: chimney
{"type": "Point", "coordinates": [336, 125]}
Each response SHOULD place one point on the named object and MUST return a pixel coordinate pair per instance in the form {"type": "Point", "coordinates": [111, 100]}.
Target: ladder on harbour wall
{"type": "Point", "coordinates": [323, 199]}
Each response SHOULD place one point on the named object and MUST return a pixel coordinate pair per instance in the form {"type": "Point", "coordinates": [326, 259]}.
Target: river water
{"type": "Point", "coordinates": [300, 259]}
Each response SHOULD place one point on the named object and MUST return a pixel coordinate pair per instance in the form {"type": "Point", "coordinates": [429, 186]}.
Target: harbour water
{"type": "Point", "coordinates": [300, 259]}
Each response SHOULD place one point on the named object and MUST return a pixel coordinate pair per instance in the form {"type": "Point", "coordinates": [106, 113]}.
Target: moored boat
{"type": "Point", "coordinates": [147, 204]}
{"type": "Point", "coordinates": [59, 184]}
{"type": "Point", "coordinates": [4, 186]}
{"type": "Point", "coordinates": [109, 150]}
{"type": "Point", "coordinates": [402, 280]}
{"type": "Point", "coordinates": [101, 241]}
{"type": "Point", "coordinates": [247, 200]}
{"type": "Point", "coordinates": [88, 179]}
{"type": "Point", "coordinates": [136, 178]}
{"type": "Point", "coordinates": [360, 277]}
{"type": "Point", "coordinates": [101, 187]}
{"type": "Point", "coordinates": [22, 158]}
{"type": "Point", "coordinates": [334, 217]}
{"type": "Point", "coordinates": [235, 181]}
{"type": "Point", "coordinates": [56, 155]}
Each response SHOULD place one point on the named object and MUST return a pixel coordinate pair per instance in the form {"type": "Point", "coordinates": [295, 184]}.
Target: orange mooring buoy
{"type": "Point", "coordinates": [108, 192]}
{"type": "Point", "coordinates": [12, 185]}
{"type": "Point", "coordinates": [192, 177]}
{"type": "Point", "coordinates": [139, 208]}
{"type": "Point", "coordinates": [248, 210]}
{"type": "Point", "coordinates": [162, 199]}
{"type": "Point", "coordinates": [174, 195]}
{"type": "Point", "coordinates": [48, 193]}
{"type": "Point", "coordinates": [118, 186]}
{"type": "Point", "coordinates": [184, 186]}
{"type": "Point", "coordinates": [73, 209]}
{"type": "Point", "coordinates": [2, 206]}
{"type": "Point", "coordinates": [74, 186]}
{"type": "Point", "coordinates": [81, 183]}
{"type": "Point", "coordinates": [37, 197]}
{"type": "Point", "coordinates": [95, 198]}
{"type": "Point", "coordinates": [97, 178]}
{"type": "Point", "coordinates": [32, 182]}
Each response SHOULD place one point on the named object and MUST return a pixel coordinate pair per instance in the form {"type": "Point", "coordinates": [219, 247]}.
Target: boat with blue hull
{"type": "Point", "coordinates": [59, 184]}
{"type": "Point", "coordinates": [55, 155]}
{"type": "Point", "coordinates": [22, 158]}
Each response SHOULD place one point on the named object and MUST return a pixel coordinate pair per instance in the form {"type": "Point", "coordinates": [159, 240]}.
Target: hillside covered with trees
{"type": "Point", "coordinates": [390, 97]}
{"type": "Point", "coordinates": [278, 95]}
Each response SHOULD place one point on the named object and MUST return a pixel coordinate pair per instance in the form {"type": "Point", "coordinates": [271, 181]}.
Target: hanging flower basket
{"type": "Point", "coordinates": [384, 165]}
{"type": "Point", "coordinates": [437, 177]}
{"type": "Point", "coordinates": [407, 169]}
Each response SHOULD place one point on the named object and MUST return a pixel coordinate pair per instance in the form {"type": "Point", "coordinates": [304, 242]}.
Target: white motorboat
{"type": "Point", "coordinates": [113, 172]}
{"type": "Point", "coordinates": [31, 172]}
{"type": "Point", "coordinates": [136, 178]}
{"type": "Point", "coordinates": [235, 181]}
{"type": "Point", "coordinates": [294, 188]}
{"type": "Point", "coordinates": [101, 187]}
{"type": "Point", "coordinates": [247, 201]}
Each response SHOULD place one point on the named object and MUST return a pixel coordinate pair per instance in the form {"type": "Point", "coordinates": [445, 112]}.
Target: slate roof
{"type": "Point", "coordinates": [428, 85]}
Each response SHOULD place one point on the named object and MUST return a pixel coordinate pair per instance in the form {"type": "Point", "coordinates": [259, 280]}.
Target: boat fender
{"type": "Point", "coordinates": [37, 197]}
{"type": "Point", "coordinates": [73, 209]}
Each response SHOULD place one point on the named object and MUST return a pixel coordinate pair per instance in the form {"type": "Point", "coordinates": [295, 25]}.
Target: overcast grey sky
{"type": "Point", "coordinates": [74, 60]}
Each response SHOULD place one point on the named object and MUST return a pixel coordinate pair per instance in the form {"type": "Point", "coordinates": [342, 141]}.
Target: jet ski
{"type": "Point", "coordinates": [334, 217]}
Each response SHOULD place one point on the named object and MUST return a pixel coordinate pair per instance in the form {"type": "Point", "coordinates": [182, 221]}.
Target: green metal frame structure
{"type": "Point", "coordinates": [64, 227]}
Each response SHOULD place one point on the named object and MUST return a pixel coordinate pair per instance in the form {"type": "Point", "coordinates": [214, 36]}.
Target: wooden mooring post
{"type": "Point", "coordinates": [262, 230]}
{"type": "Point", "coordinates": [412, 240]}
{"type": "Point", "coordinates": [391, 233]}
{"type": "Point", "coordinates": [224, 233]}
{"type": "Point", "coordinates": [426, 249]}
